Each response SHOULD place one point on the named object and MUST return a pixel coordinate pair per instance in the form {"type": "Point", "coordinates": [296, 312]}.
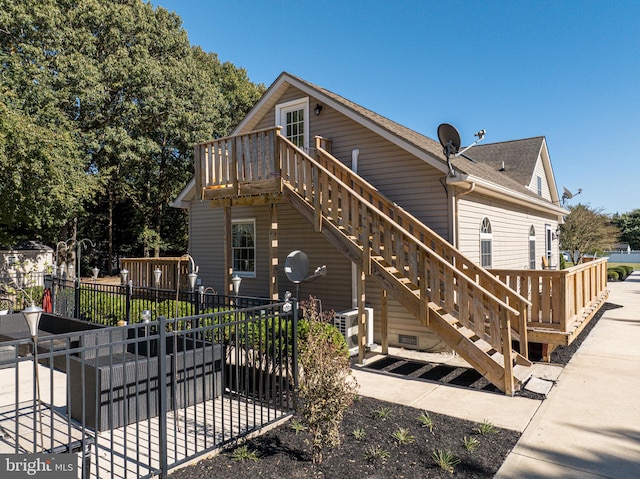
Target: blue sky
{"type": "Point", "coordinates": [566, 70]}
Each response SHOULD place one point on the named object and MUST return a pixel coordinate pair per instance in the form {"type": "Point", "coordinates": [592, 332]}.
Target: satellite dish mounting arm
{"type": "Point", "coordinates": [480, 136]}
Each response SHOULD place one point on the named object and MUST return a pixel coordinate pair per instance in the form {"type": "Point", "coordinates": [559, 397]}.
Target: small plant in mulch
{"type": "Point", "coordinates": [471, 443]}
{"type": "Point", "coordinates": [327, 387]}
{"type": "Point", "coordinates": [403, 436]}
{"type": "Point", "coordinates": [446, 460]}
{"type": "Point", "coordinates": [426, 421]}
{"type": "Point", "coordinates": [359, 433]}
{"type": "Point", "coordinates": [376, 453]}
{"type": "Point", "coordinates": [485, 428]}
{"type": "Point", "coordinates": [297, 426]}
{"type": "Point", "coordinates": [383, 412]}
{"type": "Point", "coordinates": [243, 453]}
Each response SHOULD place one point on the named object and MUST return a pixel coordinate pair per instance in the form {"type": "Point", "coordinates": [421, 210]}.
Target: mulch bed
{"type": "Point", "coordinates": [283, 453]}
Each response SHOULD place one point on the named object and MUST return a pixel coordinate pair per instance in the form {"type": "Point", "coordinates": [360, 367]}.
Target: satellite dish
{"type": "Point", "coordinates": [567, 194]}
{"type": "Point", "coordinates": [449, 138]}
{"type": "Point", "coordinates": [296, 266]}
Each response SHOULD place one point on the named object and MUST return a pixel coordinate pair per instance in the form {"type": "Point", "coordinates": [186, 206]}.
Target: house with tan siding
{"type": "Point", "coordinates": [496, 208]}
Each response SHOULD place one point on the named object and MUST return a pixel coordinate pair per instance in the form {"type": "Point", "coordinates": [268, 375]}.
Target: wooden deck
{"type": "Point", "coordinates": [477, 312]}
{"type": "Point", "coordinates": [562, 301]}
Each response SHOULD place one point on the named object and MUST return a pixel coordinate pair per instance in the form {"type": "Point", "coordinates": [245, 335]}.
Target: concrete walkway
{"type": "Point", "coordinates": [589, 425]}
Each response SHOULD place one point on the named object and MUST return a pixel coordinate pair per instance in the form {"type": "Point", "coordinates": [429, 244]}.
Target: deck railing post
{"type": "Point", "coordinates": [505, 324]}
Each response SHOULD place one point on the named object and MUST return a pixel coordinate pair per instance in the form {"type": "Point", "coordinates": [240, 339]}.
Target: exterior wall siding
{"type": "Point", "coordinates": [510, 227]}
{"type": "Point", "coordinates": [403, 178]}
{"type": "Point", "coordinates": [539, 172]}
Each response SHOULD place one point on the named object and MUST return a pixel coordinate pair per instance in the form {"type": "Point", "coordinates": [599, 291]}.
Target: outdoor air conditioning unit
{"type": "Point", "coordinates": [347, 323]}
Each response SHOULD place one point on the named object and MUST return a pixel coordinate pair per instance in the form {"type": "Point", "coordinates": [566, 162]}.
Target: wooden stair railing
{"type": "Point", "coordinates": [433, 241]}
{"type": "Point", "coordinates": [470, 318]}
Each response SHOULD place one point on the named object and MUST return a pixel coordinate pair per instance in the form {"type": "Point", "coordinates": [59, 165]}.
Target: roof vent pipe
{"type": "Point", "coordinates": [503, 168]}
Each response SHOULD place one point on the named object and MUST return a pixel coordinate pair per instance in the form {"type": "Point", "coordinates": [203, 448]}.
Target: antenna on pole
{"type": "Point", "coordinates": [450, 141]}
{"type": "Point", "coordinates": [567, 195]}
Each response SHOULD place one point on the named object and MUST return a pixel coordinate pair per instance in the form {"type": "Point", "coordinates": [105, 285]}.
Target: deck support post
{"type": "Point", "coordinates": [273, 251]}
{"type": "Point", "coordinates": [384, 321]}
{"type": "Point", "coordinates": [362, 316]}
{"type": "Point", "coordinates": [228, 252]}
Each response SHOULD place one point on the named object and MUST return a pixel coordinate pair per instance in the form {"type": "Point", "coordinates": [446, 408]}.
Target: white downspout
{"type": "Point", "coordinates": [456, 218]}
{"type": "Point", "coordinates": [355, 153]}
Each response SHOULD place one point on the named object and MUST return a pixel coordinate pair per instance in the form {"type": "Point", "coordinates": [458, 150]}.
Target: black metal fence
{"type": "Point", "coordinates": [141, 399]}
{"type": "Point", "coordinates": [110, 304]}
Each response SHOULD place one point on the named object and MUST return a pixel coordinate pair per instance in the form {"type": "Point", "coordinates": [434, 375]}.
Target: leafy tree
{"type": "Point", "coordinates": [629, 225]}
{"type": "Point", "coordinates": [120, 79]}
{"type": "Point", "coordinates": [43, 179]}
{"type": "Point", "coordinates": [586, 231]}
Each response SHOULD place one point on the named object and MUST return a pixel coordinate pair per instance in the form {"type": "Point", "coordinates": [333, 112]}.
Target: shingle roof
{"type": "Point", "coordinates": [416, 139]}
{"type": "Point", "coordinates": [519, 156]}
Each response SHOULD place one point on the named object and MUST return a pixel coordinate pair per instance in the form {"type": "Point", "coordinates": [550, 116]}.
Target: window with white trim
{"type": "Point", "coordinates": [293, 117]}
{"type": "Point", "coordinates": [243, 247]}
{"type": "Point", "coordinates": [539, 185]}
{"type": "Point", "coordinates": [532, 248]}
{"type": "Point", "coordinates": [486, 241]}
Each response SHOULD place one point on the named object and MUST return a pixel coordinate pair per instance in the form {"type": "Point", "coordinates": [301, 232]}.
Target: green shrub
{"type": "Point", "coordinates": [612, 275]}
{"type": "Point", "coordinates": [628, 269]}
{"type": "Point", "coordinates": [622, 273]}
{"type": "Point", "coordinates": [326, 387]}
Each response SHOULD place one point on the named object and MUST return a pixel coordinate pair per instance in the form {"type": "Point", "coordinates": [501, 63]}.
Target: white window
{"type": "Point", "coordinates": [243, 247]}
{"type": "Point", "coordinates": [532, 248]}
{"type": "Point", "coordinates": [539, 178]}
{"type": "Point", "coordinates": [486, 240]}
{"type": "Point", "coordinates": [293, 117]}
{"type": "Point", "coordinates": [548, 243]}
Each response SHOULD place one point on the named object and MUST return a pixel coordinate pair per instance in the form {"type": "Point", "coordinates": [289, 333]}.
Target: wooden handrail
{"type": "Point", "coordinates": [429, 237]}
{"type": "Point", "coordinates": [398, 247]}
{"type": "Point", "coordinates": [559, 297]}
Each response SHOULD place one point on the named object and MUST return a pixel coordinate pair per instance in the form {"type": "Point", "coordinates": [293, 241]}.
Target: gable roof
{"type": "Point", "coordinates": [518, 157]}
{"type": "Point", "coordinates": [520, 154]}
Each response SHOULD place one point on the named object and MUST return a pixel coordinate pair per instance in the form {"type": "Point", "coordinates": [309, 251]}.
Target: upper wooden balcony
{"type": "Point", "coordinates": [239, 166]}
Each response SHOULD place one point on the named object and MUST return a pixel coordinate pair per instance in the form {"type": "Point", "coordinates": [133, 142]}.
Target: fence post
{"type": "Point", "coordinates": [295, 353]}
{"type": "Point", "coordinates": [128, 294]}
{"type": "Point", "coordinates": [76, 307]}
{"type": "Point", "coordinates": [162, 393]}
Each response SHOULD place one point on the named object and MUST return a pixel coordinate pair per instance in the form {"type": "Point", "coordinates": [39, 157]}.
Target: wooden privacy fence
{"type": "Point", "coordinates": [560, 299]}
{"type": "Point", "coordinates": [141, 272]}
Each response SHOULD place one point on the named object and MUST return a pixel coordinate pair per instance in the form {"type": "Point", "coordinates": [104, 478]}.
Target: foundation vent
{"type": "Point", "coordinates": [408, 340]}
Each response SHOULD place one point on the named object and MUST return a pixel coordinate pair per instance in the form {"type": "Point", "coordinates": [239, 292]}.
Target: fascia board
{"type": "Point", "coordinates": [500, 192]}
{"type": "Point", "coordinates": [185, 196]}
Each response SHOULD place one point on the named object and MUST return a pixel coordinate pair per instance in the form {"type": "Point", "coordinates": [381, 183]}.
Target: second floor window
{"type": "Point", "coordinates": [486, 240]}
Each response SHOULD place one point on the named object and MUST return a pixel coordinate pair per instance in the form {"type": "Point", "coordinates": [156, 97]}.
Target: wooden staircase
{"type": "Point", "coordinates": [467, 307]}
{"type": "Point", "coordinates": [475, 313]}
